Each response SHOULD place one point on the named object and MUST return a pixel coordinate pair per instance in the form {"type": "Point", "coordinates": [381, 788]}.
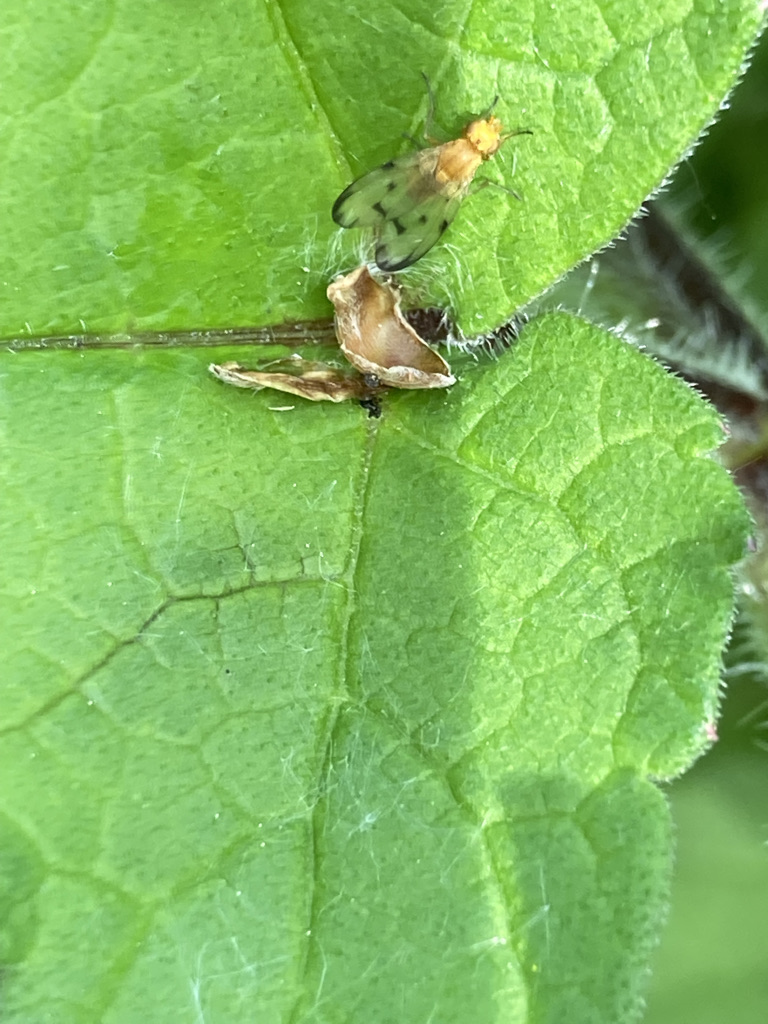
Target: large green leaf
{"type": "Point", "coordinates": [166, 166]}
{"type": "Point", "coordinates": [309, 717]}
{"type": "Point", "coordinates": [322, 718]}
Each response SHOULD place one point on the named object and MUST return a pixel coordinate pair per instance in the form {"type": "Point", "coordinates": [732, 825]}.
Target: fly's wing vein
{"type": "Point", "coordinates": [407, 238]}
{"type": "Point", "coordinates": [384, 192]}
{"type": "Point", "coordinates": [407, 205]}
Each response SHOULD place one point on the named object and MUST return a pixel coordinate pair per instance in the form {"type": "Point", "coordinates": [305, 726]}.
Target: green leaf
{"type": "Point", "coordinates": [321, 718]}
{"type": "Point", "coordinates": [308, 717]}
{"type": "Point", "coordinates": [167, 168]}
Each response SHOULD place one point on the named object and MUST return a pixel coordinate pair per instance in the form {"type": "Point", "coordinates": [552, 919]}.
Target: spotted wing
{"type": "Point", "coordinates": [406, 205]}
{"type": "Point", "coordinates": [404, 240]}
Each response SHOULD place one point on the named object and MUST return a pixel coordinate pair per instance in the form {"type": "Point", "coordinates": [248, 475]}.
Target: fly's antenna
{"type": "Point", "coordinates": [489, 110]}
{"type": "Point", "coordinates": [517, 131]}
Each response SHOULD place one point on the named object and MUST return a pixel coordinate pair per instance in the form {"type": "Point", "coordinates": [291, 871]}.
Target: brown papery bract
{"type": "Point", "coordinates": [316, 381]}
{"type": "Point", "coordinates": [376, 338]}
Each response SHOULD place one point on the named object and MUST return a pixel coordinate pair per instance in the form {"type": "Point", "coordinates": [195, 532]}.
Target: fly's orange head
{"type": "Point", "coordinates": [485, 135]}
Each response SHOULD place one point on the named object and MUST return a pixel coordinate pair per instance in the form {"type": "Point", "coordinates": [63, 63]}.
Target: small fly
{"type": "Point", "coordinates": [411, 200]}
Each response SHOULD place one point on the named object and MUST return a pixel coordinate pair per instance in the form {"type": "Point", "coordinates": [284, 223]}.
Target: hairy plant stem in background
{"type": "Point", "coordinates": [661, 288]}
{"type": "Point", "coordinates": [654, 287]}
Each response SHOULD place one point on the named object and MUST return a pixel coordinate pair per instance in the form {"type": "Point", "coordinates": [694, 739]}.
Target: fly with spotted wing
{"type": "Point", "coordinates": [411, 200]}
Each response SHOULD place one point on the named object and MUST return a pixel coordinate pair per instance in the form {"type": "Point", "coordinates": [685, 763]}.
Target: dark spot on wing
{"type": "Point", "coordinates": [444, 225]}
{"type": "Point", "coordinates": [379, 209]}
{"type": "Point", "coordinates": [399, 226]}
{"type": "Point", "coordinates": [388, 165]}
{"type": "Point", "coordinates": [337, 211]}
{"type": "Point", "coordinates": [423, 218]}
{"type": "Point", "coordinates": [391, 185]}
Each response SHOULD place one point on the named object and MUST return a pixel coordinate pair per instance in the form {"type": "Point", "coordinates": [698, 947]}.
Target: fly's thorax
{"type": "Point", "coordinates": [485, 135]}
{"type": "Point", "coordinates": [456, 165]}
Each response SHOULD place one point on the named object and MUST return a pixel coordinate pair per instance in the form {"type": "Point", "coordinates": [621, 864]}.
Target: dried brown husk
{"type": "Point", "coordinates": [376, 338]}
{"type": "Point", "coordinates": [318, 382]}
{"type": "Point", "coordinates": [383, 348]}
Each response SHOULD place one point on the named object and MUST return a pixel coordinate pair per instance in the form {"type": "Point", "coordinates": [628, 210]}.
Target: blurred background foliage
{"type": "Point", "coordinates": [690, 283]}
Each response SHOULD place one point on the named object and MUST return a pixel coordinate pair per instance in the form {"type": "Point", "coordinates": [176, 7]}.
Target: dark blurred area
{"type": "Point", "coordinates": [723, 187]}
{"type": "Point", "coordinates": [712, 965]}
{"type": "Point", "coordinates": [689, 282]}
